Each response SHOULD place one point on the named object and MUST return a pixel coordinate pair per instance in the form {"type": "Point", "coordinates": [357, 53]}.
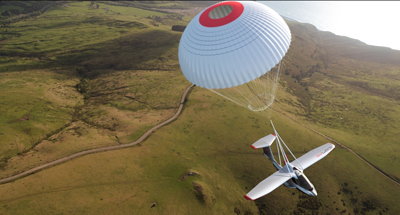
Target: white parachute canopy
{"type": "Point", "coordinates": [234, 49]}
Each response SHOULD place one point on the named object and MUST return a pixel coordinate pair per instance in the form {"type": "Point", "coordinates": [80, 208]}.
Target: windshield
{"type": "Point", "coordinates": [304, 183]}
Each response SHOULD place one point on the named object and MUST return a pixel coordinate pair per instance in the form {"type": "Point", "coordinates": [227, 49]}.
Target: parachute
{"type": "Point", "coordinates": [234, 49]}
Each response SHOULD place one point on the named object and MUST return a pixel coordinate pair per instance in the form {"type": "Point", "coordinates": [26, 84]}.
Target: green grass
{"type": "Point", "coordinates": [131, 11]}
{"type": "Point", "coordinates": [73, 37]}
{"type": "Point", "coordinates": [82, 8]}
{"type": "Point", "coordinates": [3, 8]}
{"type": "Point", "coordinates": [44, 96]}
{"type": "Point", "coordinates": [134, 83]}
{"type": "Point", "coordinates": [122, 59]}
{"type": "Point", "coordinates": [116, 107]}
{"type": "Point", "coordinates": [78, 34]}
{"type": "Point", "coordinates": [53, 35]}
{"type": "Point", "coordinates": [204, 139]}
{"type": "Point", "coordinates": [63, 29]}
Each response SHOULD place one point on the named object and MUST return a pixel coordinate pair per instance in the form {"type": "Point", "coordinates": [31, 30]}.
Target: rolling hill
{"type": "Point", "coordinates": [77, 78]}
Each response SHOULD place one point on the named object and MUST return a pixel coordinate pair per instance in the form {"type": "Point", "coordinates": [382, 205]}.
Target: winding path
{"type": "Point", "coordinates": [144, 136]}
{"type": "Point", "coordinates": [62, 160]}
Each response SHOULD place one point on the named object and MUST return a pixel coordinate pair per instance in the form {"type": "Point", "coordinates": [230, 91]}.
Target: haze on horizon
{"type": "Point", "coordinates": [372, 22]}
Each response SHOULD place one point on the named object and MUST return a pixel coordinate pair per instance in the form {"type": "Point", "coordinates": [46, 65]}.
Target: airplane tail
{"type": "Point", "coordinates": [265, 143]}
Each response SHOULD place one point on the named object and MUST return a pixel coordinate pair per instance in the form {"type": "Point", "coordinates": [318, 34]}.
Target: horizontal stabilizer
{"type": "Point", "coordinates": [264, 142]}
{"type": "Point", "coordinates": [268, 185]}
{"type": "Point", "coordinates": [313, 156]}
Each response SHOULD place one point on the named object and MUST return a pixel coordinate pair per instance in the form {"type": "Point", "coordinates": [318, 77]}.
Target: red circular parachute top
{"type": "Point", "coordinates": [237, 10]}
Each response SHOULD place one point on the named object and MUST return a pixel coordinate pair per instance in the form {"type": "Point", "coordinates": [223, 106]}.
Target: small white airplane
{"type": "Point", "coordinates": [291, 174]}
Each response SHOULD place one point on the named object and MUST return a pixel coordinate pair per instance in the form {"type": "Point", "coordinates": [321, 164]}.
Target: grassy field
{"type": "Point", "coordinates": [46, 118]}
{"type": "Point", "coordinates": [205, 140]}
{"type": "Point", "coordinates": [129, 80]}
{"type": "Point", "coordinates": [33, 105]}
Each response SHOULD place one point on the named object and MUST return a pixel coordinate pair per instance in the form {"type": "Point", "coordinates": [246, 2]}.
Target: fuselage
{"type": "Point", "coordinates": [300, 181]}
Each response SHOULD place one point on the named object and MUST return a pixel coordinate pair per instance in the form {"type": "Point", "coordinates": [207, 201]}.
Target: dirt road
{"type": "Point", "coordinates": [62, 160]}
{"type": "Point", "coordinates": [144, 136]}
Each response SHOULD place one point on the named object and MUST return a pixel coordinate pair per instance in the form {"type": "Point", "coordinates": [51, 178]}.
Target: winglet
{"type": "Point", "coordinates": [248, 198]}
{"type": "Point", "coordinates": [253, 147]}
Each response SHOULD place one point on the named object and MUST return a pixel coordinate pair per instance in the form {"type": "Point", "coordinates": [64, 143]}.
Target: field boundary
{"type": "Point", "coordinates": [107, 148]}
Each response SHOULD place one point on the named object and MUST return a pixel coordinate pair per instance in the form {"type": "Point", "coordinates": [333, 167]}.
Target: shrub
{"type": "Point", "coordinates": [180, 28]}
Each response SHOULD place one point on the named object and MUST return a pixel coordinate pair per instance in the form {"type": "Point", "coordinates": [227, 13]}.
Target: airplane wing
{"type": "Point", "coordinates": [268, 185]}
{"type": "Point", "coordinates": [313, 156]}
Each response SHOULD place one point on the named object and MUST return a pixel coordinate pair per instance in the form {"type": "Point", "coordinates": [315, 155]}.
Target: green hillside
{"type": "Point", "coordinates": [347, 96]}
{"type": "Point", "coordinates": [70, 69]}
{"type": "Point", "coordinates": [79, 77]}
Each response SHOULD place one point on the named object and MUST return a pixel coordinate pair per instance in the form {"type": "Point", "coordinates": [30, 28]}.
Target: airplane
{"type": "Point", "coordinates": [291, 174]}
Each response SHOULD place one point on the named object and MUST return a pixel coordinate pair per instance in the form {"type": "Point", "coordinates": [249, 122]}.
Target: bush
{"type": "Point", "coordinates": [180, 28]}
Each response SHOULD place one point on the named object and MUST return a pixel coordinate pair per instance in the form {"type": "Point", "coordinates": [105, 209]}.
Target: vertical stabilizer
{"type": "Point", "coordinates": [270, 156]}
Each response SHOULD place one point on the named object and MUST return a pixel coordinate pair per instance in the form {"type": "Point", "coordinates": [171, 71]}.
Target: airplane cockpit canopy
{"type": "Point", "coordinates": [304, 182]}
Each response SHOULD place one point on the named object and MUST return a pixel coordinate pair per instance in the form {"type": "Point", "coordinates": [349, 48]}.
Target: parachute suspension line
{"type": "Point", "coordinates": [279, 154]}
{"type": "Point", "coordinates": [241, 93]}
{"type": "Point", "coordinates": [276, 78]}
{"type": "Point", "coordinates": [277, 144]}
{"type": "Point", "coordinates": [280, 139]}
{"type": "Point", "coordinates": [245, 93]}
{"type": "Point", "coordinates": [273, 80]}
{"type": "Point", "coordinates": [285, 158]}
{"type": "Point", "coordinates": [225, 97]}
{"type": "Point", "coordinates": [291, 153]}
{"type": "Point", "coordinates": [255, 94]}
{"type": "Point", "coordinates": [267, 89]}
{"type": "Point", "coordinates": [243, 99]}
{"type": "Point", "coordinates": [260, 86]}
{"type": "Point", "coordinates": [255, 85]}
{"type": "Point", "coordinates": [282, 150]}
{"type": "Point", "coordinates": [231, 94]}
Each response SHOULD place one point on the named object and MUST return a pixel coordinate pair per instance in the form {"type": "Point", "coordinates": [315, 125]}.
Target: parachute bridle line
{"type": "Point", "coordinates": [279, 139]}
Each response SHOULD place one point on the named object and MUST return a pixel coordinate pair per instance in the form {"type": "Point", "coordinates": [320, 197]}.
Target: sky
{"type": "Point", "coordinates": [373, 22]}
